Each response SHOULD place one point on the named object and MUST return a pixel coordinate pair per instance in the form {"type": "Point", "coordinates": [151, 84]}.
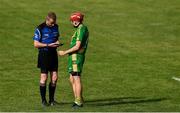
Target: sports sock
{"type": "Point", "coordinates": [43, 91]}
{"type": "Point", "coordinates": [52, 88]}
{"type": "Point", "coordinates": [78, 101]}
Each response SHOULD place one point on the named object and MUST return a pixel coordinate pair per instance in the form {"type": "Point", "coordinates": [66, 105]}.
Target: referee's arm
{"type": "Point", "coordinates": [36, 38]}
{"type": "Point", "coordinates": [38, 44]}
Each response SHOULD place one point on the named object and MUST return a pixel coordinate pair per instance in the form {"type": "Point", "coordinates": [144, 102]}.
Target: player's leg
{"type": "Point", "coordinates": [82, 99]}
{"type": "Point", "coordinates": [43, 79]}
{"type": "Point", "coordinates": [78, 89]}
{"type": "Point", "coordinates": [70, 70]}
{"type": "Point", "coordinates": [71, 79]}
{"type": "Point", "coordinates": [52, 86]}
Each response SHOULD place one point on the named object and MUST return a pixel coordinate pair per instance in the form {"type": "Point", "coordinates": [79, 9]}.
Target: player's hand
{"type": "Point", "coordinates": [61, 53]}
{"type": "Point", "coordinates": [57, 42]}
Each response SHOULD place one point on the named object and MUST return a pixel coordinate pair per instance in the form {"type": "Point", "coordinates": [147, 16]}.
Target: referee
{"type": "Point", "coordinates": [46, 40]}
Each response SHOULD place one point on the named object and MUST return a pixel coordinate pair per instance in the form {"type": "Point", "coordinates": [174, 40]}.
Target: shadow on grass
{"type": "Point", "coordinates": [118, 101]}
{"type": "Point", "coordinates": [124, 100]}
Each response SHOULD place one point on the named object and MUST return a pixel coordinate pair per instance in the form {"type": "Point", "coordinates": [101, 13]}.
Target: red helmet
{"type": "Point", "coordinates": [78, 16]}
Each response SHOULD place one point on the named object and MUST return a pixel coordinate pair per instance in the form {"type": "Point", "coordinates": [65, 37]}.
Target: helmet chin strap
{"type": "Point", "coordinates": [75, 26]}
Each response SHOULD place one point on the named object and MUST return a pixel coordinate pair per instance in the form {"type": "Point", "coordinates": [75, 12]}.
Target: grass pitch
{"type": "Point", "coordinates": [132, 56]}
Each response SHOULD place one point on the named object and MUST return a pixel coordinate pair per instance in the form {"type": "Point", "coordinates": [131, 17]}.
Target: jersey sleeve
{"type": "Point", "coordinates": [58, 35]}
{"type": "Point", "coordinates": [37, 35]}
{"type": "Point", "coordinates": [80, 34]}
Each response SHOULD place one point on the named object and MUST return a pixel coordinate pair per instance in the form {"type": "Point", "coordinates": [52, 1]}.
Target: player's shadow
{"type": "Point", "coordinates": [117, 101]}
{"type": "Point", "coordinates": [122, 100]}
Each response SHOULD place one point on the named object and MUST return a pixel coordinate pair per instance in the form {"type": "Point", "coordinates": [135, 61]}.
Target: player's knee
{"type": "Point", "coordinates": [77, 80]}
{"type": "Point", "coordinates": [71, 80]}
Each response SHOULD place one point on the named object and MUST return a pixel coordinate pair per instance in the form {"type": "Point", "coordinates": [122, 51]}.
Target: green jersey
{"type": "Point", "coordinates": [81, 34]}
{"type": "Point", "coordinates": [76, 59]}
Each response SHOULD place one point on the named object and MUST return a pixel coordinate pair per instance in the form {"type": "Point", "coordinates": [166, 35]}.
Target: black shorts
{"type": "Point", "coordinates": [75, 73]}
{"type": "Point", "coordinates": [48, 61]}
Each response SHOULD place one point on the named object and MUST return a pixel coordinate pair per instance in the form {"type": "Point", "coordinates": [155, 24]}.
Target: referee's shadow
{"type": "Point", "coordinates": [119, 101]}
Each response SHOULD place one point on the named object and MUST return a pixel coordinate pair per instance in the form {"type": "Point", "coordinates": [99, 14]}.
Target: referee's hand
{"type": "Point", "coordinates": [53, 45]}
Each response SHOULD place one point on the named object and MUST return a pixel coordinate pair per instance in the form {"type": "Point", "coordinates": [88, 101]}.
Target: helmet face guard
{"type": "Point", "coordinates": [77, 17]}
{"type": "Point", "coordinates": [75, 23]}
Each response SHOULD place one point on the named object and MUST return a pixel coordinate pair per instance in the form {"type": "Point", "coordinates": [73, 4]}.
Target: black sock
{"type": "Point", "coordinates": [43, 92]}
{"type": "Point", "coordinates": [52, 88]}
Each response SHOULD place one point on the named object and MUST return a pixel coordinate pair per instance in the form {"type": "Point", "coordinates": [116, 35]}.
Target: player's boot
{"type": "Point", "coordinates": [77, 103]}
{"type": "Point", "coordinates": [76, 106]}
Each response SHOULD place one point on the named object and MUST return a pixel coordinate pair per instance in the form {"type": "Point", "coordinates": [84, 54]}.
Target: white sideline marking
{"type": "Point", "coordinates": [175, 78]}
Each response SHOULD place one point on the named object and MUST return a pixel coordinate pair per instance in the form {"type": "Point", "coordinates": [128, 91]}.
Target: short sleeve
{"type": "Point", "coordinates": [37, 35]}
{"type": "Point", "coordinates": [58, 35]}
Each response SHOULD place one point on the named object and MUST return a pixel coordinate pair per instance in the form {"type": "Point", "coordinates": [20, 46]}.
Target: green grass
{"type": "Point", "coordinates": [133, 53]}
